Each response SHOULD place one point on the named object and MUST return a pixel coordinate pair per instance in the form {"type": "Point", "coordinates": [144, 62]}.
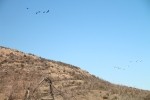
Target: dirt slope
{"type": "Point", "coordinates": [29, 77]}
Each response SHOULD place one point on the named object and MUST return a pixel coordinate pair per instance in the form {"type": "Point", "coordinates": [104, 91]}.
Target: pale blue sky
{"type": "Point", "coordinates": [97, 35]}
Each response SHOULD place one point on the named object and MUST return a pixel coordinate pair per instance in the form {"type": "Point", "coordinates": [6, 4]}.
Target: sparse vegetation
{"type": "Point", "coordinates": [28, 77]}
{"type": "Point", "coordinates": [147, 97]}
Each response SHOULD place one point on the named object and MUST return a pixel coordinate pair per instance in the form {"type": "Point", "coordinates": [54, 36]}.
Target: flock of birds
{"type": "Point", "coordinates": [38, 12]}
{"type": "Point", "coordinates": [124, 68]}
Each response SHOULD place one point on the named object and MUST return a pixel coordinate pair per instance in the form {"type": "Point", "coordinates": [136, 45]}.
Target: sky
{"type": "Point", "coordinates": [108, 38]}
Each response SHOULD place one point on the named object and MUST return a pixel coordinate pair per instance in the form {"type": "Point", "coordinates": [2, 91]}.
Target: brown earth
{"type": "Point", "coordinates": [29, 77]}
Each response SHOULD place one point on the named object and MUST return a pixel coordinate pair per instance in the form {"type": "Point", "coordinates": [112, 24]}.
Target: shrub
{"type": "Point", "coordinates": [147, 97]}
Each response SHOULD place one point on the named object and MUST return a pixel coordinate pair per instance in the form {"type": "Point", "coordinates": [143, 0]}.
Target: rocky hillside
{"type": "Point", "coordinates": [29, 77]}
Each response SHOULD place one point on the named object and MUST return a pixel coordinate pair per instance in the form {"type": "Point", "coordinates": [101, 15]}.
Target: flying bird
{"type": "Point", "coordinates": [130, 61]}
{"type": "Point", "coordinates": [47, 11]}
{"type": "Point", "coordinates": [38, 12]}
{"type": "Point", "coordinates": [27, 8]}
{"type": "Point", "coordinates": [119, 68]}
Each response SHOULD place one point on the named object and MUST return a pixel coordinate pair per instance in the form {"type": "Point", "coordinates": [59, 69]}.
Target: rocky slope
{"type": "Point", "coordinates": [29, 77]}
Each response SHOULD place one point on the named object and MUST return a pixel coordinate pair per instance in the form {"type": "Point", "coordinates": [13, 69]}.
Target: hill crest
{"type": "Point", "coordinates": [26, 76]}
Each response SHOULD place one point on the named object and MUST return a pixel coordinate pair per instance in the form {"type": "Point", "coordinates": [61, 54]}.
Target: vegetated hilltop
{"type": "Point", "coordinates": [29, 77]}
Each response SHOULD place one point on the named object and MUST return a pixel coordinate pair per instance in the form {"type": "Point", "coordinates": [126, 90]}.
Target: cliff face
{"type": "Point", "coordinates": [29, 77]}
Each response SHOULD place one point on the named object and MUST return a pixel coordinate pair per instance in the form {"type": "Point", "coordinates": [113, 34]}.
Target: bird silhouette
{"type": "Point", "coordinates": [27, 8]}
{"type": "Point", "coordinates": [130, 61]}
{"type": "Point", "coordinates": [47, 11]}
{"type": "Point", "coordinates": [119, 68]}
{"type": "Point", "coordinates": [37, 12]}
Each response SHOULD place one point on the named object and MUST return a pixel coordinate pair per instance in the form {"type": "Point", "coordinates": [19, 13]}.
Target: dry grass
{"type": "Point", "coordinates": [22, 77]}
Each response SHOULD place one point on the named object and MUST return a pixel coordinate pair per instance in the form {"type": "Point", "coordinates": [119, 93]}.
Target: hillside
{"type": "Point", "coordinates": [29, 77]}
